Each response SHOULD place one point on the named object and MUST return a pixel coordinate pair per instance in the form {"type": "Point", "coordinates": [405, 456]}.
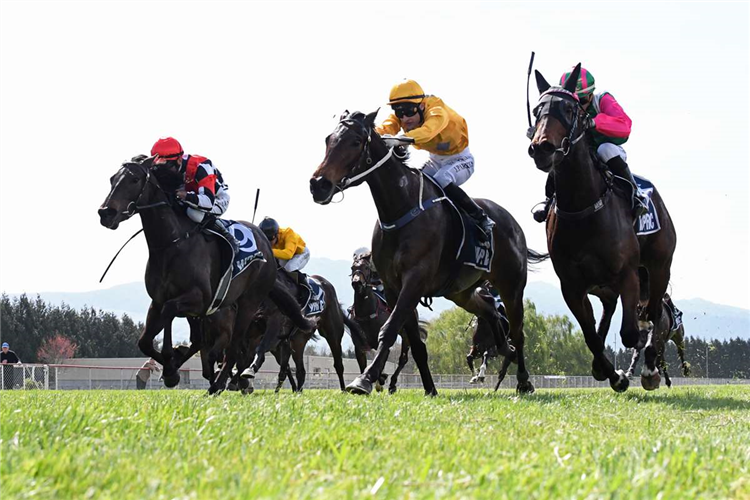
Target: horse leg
{"type": "Point", "coordinates": [609, 304]}
{"type": "Point", "coordinates": [333, 331]}
{"type": "Point", "coordinates": [403, 311]}
{"type": "Point", "coordinates": [187, 302]}
{"type": "Point", "coordinates": [153, 326]}
{"type": "Point", "coordinates": [658, 281]}
{"type": "Point", "coordinates": [507, 360]}
{"type": "Point", "coordinates": [514, 309]}
{"type": "Point", "coordinates": [679, 342]}
{"type": "Point", "coordinates": [195, 344]}
{"type": "Point", "coordinates": [470, 362]}
{"type": "Point", "coordinates": [246, 309]}
{"type": "Point", "coordinates": [282, 357]}
{"type": "Point", "coordinates": [633, 363]}
{"type": "Point", "coordinates": [601, 367]}
{"type": "Point", "coordinates": [298, 354]}
{"type": "Point", "coordinates": [402, 360]}
{"type": "Point", "coordinates": [630, 297]}
{"type": "Point", "coordinates": [483, 366]}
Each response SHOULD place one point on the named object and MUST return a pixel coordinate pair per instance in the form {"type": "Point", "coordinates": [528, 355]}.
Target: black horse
{"type": "Point", "coordinates": [667, 329]}
{"type": "Point", "coordinates": [184, 268]}
{"type": "Point", "coordinates": [418, 259]}
{"type": "Point", "coordinates": [370, 312]}
{"type": "Point", "coordinates": [482, 344]}
{"type": "Point", "coordinates": [590, 235]}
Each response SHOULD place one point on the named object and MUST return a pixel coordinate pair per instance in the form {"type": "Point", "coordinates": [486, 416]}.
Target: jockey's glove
{"type": "Point", "coordinates": [397, 140]}
{"type": "Point", "coordinates": [589, 123]}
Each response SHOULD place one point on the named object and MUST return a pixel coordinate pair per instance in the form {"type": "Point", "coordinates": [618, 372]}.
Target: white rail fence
{"type": "Point", "coordinates": [76, 377]}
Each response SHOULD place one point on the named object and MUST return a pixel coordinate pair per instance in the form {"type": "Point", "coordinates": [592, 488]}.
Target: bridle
{"type": "Point", "coordinates": [550, 103]}
{"type": "Point", "coordinates": [365, 157]}
{"type": "Point", "coordinates": [133, 207]}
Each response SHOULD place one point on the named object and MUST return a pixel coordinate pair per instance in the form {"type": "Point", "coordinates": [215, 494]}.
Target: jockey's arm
{"type": "Point", "coordinates": [289, 249]}
{"type": "Point", "coordinates": [435, 121]}
{"type": "Point", "coordinates": [204, 198]}
{"type": "Point", "coordinates": [612, 120]}
{"type": "Point", "coordinates": [391, 126]}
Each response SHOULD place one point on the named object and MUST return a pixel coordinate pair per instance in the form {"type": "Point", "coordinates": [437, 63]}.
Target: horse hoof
{"type": "Point", "coordinates": [650, 380]}
{"type": "Point", "coordinates": [597, 372]}
{"type": "Point", "coordinates": [525, 387]}
{"type": "Point", "coordinates": [172, 380]}
{"type": "Point", "coordinates": [481, 380]}
{"type": "Point", "coordinates": [474, 380]}
{"type": "Point", "coordinates": [378, 387]}
{"type": "Point", "coordinates": [431, 393]}
{"type": "Point", "coordinates": [247, 373]}
{"type": "Point", "coordinates": [392, 389]}
{"type": "Point", "coordinates": [359, 386]}
{"type": "Point", "coordinates": [214, 390]}
{"type": "Point", "coordinates": [233, 387]}
{"type": "Point", "coordinates": [621, 384]}
{"type": "Point", "coordinates": [247, 391]}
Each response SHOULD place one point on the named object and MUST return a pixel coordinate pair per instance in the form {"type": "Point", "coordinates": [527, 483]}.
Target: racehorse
{"type": "Point", "coordinates": [184, 269]}
{"type": "Point", "coordinates": [590, 235]}
{"type": "Point", "coordinates": [283, 335]}
{"type": "Point", "coordinates": [663, 333]}
{"type": "Point", "coordinates": [370, 312]}
{"type": "Point", "coordinates": [418, 259]}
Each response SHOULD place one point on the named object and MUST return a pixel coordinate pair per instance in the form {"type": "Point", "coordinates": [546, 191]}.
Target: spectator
{"type": "Point", "coordinates": [141, 378]}
{"type": "Point", "coordinates": [8, 357]}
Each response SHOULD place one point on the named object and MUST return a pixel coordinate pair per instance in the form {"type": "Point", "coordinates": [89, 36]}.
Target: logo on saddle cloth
{"type": "Point", "coordinates": [647, 223]}
{"type": "Point", "coordinates": [473, 251]}
{"type": "Point", "coordinates": [247, 254]}
{"type": "Point", "coordinates": [316, 299]}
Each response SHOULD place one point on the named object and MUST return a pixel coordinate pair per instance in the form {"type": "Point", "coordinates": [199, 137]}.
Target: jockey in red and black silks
{"type": "Point", "coordinates": [202, 187]}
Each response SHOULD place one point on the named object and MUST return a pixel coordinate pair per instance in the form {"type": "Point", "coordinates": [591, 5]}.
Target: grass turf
{"type": "Point", "coordinates": [688, 442]}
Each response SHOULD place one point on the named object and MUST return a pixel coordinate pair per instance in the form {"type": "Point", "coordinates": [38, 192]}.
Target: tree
{"type": "Point", "coordinates": [56, 349]}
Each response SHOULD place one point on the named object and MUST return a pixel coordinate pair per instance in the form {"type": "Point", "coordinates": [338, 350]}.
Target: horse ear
{"type": "Point", "coordinates": [370, 118]}
{"type": "Point", "coordinates": [344, 115]}
{"type": "Point", "coordinates": [570, 83]}
{"type": "Point", "coordinates": [541, 83]}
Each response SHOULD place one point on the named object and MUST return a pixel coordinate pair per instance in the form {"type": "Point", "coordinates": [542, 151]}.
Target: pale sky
{"type": "Point", "coordinates": [255, 87]}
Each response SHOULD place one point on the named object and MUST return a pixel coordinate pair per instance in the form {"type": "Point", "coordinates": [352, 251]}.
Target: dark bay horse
{"type": "Point", "coordinates": [482, 345]}
{"type": "Point", "coordinates": [417, 260]}
{"type": "Point", "coordinates": [370, 313]}
{"type": "Point", "coordinates": [590, 235]}
{"type": "Point", "coordinates": [664, 331]}
{"type": "Point", "coordinates": [184, 268]}
{"type": "Point", "coordinates": [283, 335]}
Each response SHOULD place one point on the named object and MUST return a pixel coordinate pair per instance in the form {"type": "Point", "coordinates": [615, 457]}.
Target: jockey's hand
{"type": "Point", "coordinates": [589, 123]}
{"type": "Point", "coordinates": [398, 140]}
{"type": "Point", "coordinates": [181, 194]}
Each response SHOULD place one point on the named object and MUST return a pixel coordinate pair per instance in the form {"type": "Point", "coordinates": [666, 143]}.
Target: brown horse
{"type": "Point", "coordinates": [663, 333]}
{"type": "Point", "coordinates": [283, 335]}
{"type": "Point", "coordinates": [590, 235]}
{"type": "Point", "coordinates": [418, 259]}
{"type": "Point", "coordinates": [184, 269]}
{"type": "Point", "coordinates": [370, 312]}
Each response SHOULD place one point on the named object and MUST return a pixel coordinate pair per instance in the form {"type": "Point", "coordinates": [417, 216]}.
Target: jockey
{"type": "Point", "coordinates": [289, 248]}
{"type": "Point", "coordinates": [365, 254]}
{"type": "Point", "coordinates": [442, 132]}
{"type": "Point", "coordinates": [201, 186]}
{"type": "Point", "coordinates": [610, 127]}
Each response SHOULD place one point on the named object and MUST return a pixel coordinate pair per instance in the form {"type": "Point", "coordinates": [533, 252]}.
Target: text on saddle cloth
{"type": "Point", "coordinates": [316, 298]}
{"type": "Point", "coordinates": [647, 223]}
{"type": "Point", "coordinates": [247, 253]}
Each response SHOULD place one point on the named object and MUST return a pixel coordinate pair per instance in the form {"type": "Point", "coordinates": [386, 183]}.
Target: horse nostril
{"type": "Point", "coordinates": [532, 150]}
{"type": "Point", "coordinates": [106, 212]}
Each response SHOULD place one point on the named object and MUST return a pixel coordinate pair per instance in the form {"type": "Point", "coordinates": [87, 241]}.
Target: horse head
{"type": "Point", "coordinates": [347, 154]}
{"type": "Point", "coordinates": [360, 275]}
{"type": "Point", "coordinates": [558, 122]}
{"type": "Point", "coordinates": [130, 185]}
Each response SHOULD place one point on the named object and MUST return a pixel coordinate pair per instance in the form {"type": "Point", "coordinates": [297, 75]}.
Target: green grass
{"type": "Point", "coordinates": [685, 443]}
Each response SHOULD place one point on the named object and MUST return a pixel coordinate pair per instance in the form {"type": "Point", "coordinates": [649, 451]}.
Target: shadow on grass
{"type": "Point", "coordinates": [686, 399]}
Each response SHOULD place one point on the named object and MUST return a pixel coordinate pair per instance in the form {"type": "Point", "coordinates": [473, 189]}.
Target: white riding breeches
{"type": "Point", "coordinates": [221, 203]}
{"type": "Point", "coordinates": [607, 151]}
{"type": "Point", "coordinates": [449, 169]}
{"type": "Point", "coordinates": [297, 262]}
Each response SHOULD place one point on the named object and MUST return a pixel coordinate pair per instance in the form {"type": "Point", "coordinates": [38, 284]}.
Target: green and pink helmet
{"type": "Point", "coordinates": [585, 85]}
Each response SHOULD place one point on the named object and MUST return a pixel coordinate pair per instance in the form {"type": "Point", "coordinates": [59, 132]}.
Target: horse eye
{"type": "Point", "coordinates": [357, 142]}
{"type": "Point", "coordinates": [134, 181]}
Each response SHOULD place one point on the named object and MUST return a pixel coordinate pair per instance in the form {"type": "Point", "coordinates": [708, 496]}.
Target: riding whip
{"type": "Point", "coordinates": [118, 253]}
{"type": "Point", "coordinates": [257, 195]}
{"type": "Point", "coordinates": [530, 131]}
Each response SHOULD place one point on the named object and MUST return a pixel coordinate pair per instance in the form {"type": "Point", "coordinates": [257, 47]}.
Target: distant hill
{"type": "Point", "coordinates": [702, 318]}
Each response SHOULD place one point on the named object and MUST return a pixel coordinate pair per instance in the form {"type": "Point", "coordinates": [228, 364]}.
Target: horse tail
{"type": "Point", "coordinates": [535, 257]}
{"type": "Point", "coordinates": [423, 329]}
{"type": "Point", "coordinates": [289, 307]}
{"type": "Point", "coordinates": [358, 336]}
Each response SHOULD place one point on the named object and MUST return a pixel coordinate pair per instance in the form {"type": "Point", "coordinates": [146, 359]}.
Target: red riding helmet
{"type": "Point", "coordinates": [167, 148]}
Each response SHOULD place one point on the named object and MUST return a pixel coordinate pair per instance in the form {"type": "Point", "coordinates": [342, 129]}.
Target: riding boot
{"type": "Point", "coordinates": [219, 228]}
{"type": "Point", "coordinates": [549, 191]}
{"type": "Point", "coordinates": [460, 198]}
{"type": "Point", "coordinates": [618, 167]}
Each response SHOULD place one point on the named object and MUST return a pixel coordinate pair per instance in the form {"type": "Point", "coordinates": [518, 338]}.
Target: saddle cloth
{"type": "Point", "coordinates": [235, 263]}
{"type": "Point", "coordinates": [676, 314]}
{"type": "Point", "coordinates": [316, 298]}
{"type": "Point", "coordinates": [647, 223]}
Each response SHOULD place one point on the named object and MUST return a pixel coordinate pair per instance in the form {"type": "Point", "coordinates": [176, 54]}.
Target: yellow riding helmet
{"type": "Point", "coordinates": [406, 91]}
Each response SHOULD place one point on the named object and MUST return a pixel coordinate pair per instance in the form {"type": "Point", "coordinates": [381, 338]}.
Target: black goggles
{"type": "Point", "coordinates": [403, 110]}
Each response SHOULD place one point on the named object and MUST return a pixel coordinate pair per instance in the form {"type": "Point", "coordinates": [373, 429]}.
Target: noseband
{"type": "Point", "coordinates": [551, 103]}
{"type": "Point", "coordinates": [364, 157]}
{"type": "Point", "coordinates": [133, 207]}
